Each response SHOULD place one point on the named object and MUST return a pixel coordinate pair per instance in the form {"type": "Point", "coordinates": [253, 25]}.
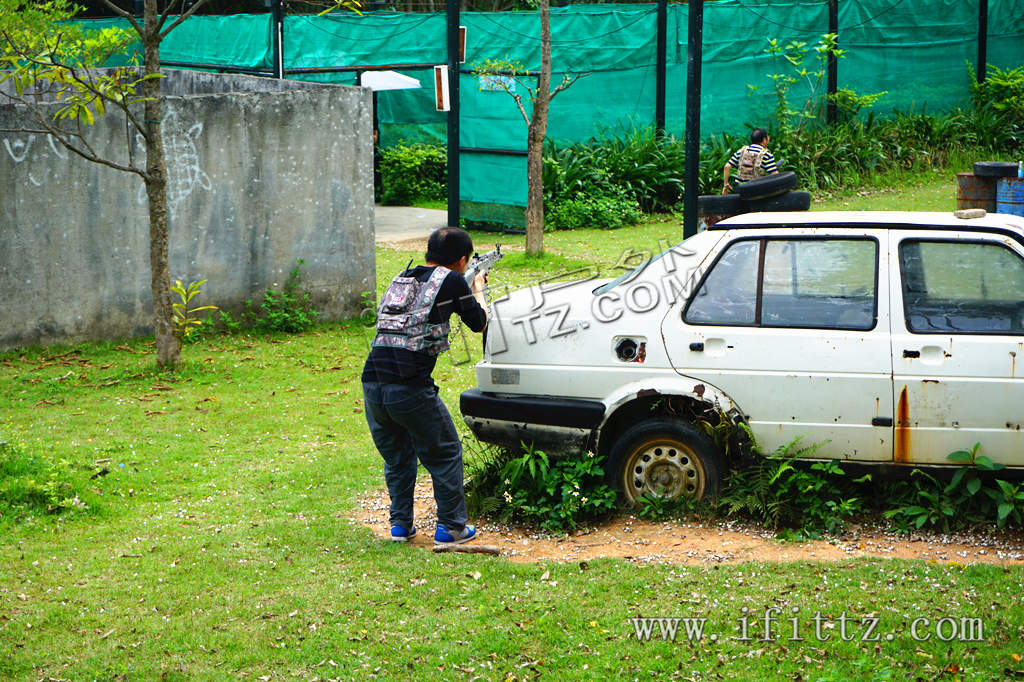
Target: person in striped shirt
{"type": "Point", "coordinates": [750, 161]}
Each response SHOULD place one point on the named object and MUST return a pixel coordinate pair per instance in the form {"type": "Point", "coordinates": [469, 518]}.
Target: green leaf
{"type": "Point", "coordinates": [959, 456]}
{"type": "Point", "coordinates": [955, 481]}
{"type": "Point", "coordinates": [973, 485]}
{"type": "Point", "coordinates": [986, 464]}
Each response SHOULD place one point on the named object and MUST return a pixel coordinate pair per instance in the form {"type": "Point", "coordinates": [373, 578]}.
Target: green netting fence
{"type": "Point", "coordinates": [915, 51]}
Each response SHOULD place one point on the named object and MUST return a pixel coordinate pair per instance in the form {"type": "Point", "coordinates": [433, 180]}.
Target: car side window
{"type": "Point", "coordinates": [962, 287]}
{"type": "Point", "coordinates": [819, 283]}
{"type": "Point", "coordinates": [812, 283]}
{"type": "Point", "coordinates": [729, 293]}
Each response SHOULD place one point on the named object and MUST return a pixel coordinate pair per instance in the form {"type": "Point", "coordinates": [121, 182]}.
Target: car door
{"type": "Point", "coordinates": [794, 327]}
{"type": "Point", "coordinates": [958, 331]}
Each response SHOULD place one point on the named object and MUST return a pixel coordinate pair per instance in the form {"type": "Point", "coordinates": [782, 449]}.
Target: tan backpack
{"type": "Point", "coordinates": [750, 163]}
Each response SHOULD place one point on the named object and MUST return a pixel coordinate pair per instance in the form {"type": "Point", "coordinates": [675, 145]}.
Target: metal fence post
{"type": "Point", "coordinates": [982, 38]}
{"type": "Point", "coordinates": [694, 50]}
{"type": "Point", "coordinates": [453, 113]}
{"type": "Point", "coordinates": [277, 38]}
{"type": "Point", "coordinates": [662, 59]}
{"type": "Point", "coordinates": [833, 63]}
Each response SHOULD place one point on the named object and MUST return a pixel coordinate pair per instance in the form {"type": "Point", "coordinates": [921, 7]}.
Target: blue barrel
{"type": "Point", "coordinates": [1010, 196]}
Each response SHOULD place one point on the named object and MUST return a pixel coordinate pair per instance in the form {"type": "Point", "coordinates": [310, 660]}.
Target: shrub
{"type": "Point", "coordinates": [968, 498]}
{"type": "Point", "coordinates": [642, 165]}
{"type": "Point", "coordinates": [802, 498]}
{"type": "Point", "coordinates": [556, 494]}
{"type": "Point", "coordinates": [607, 211]}
{"type": "Point", "coordinates": [282, 311]}
{"type": "Point", "coordinates": [1002, 90]}
{"type": "Point", "coordinates": [417, 171]}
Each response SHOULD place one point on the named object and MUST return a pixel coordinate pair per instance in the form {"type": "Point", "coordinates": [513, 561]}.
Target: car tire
{"type": "Point", "coordinates": [790, 201]}
{"type": "Point", "coordinates": [995, 169]}
{"type": "Point", "coordinates": [719, 204]}
{"type": "Point", "coordinates": [665, 458]}
{"type": "Point", "coordinates": [768, 186]}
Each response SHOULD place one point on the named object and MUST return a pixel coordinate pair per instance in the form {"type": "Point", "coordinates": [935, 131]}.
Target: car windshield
{"type": "Point", "coordinates": [678, 249]}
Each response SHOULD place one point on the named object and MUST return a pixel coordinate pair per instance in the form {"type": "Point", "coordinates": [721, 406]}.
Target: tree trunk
{"type": "Point", "coordinates": [168, 349]}
{"type": "Point", "coordinates": [535, 141]}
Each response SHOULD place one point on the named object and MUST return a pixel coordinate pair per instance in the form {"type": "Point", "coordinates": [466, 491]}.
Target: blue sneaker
{"type": "Point", "coordinates": [401, 534]}
{"type": "Point", "coordinates": [443, 536]}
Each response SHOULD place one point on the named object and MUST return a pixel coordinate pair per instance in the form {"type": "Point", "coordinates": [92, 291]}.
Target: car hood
{"type": "Point", "coordinates": [576, 322]}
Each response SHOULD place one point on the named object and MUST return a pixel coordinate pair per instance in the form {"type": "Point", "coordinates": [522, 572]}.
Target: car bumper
{"type": "Point", "coordinates": [554, 425]}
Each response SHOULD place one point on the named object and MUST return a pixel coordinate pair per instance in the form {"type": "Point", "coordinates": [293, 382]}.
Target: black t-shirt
{"type": "Point", "coordinates": [388, 365]}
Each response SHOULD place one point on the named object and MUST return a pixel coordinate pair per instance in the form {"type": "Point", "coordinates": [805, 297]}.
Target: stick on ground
{"type": "Point", "coordinates": [468, 549]}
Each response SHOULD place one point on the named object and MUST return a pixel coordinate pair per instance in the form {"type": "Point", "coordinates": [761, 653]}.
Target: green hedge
{"type": "Point", "coordinates": [410, 172]}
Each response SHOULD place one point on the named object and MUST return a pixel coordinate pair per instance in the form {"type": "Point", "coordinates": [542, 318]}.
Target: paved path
{"type": "Point", "coordinates": [398, 223]}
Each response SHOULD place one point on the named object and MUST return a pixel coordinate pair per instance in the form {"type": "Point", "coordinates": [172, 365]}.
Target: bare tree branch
{"type": "Point", "coordinates": [522, 109]}
{"type": "Point", "coordinates": [566, 83]}
{"type": "Point", "coordinates": [181, 17]}
{"type": "Point", "coordinates": [163, 15]}
{"type": "Point", "coordinates": [124, 14]}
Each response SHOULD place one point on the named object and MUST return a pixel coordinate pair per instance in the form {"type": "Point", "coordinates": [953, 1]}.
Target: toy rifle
{"type": "Point", "coordinates": [483, 264]}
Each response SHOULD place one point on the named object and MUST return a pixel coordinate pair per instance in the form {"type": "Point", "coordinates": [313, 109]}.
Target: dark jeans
{"type": "Point", "coordinates": [409, 423]}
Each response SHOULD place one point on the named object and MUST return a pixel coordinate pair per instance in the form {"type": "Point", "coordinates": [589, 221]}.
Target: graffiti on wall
{"type": "Point", "coordinates": [40, 154]}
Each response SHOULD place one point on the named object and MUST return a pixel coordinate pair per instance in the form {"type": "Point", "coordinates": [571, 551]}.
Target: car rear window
{"type": "Point", "coordinates": [962, 287]}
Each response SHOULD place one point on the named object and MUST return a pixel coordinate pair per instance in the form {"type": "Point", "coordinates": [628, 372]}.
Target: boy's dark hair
{"type": "Point", "coordinates": [447, 245]}
{"type": "Point", "coordinates": [757, 135]}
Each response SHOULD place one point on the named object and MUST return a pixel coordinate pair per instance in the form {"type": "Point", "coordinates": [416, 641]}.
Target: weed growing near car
{"type": "Point", "coordinates": [556, 494]}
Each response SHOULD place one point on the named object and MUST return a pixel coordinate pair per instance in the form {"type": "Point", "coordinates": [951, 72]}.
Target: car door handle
{"type": "Point", "coordinates": [697, 346]}
{"type": "Point", "coordinates": [911, 353]}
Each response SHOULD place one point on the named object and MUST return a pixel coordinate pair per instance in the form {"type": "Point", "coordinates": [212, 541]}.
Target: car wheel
{"type": "Point", "coordinates": [790, 201]}
{"type": "Point", "coordinates": [665, 458]}
{"type": "Point", "coordinates": [768, 186]}
{"type": "Point", "coordinates": [995, 169]}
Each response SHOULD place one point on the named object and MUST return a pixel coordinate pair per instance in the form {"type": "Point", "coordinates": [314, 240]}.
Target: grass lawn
{"type": "Point", "coordinates": [217, 543]}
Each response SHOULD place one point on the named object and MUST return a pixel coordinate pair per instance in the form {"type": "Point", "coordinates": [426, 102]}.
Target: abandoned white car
{"type": "Point", "coordinates": [892, 337]}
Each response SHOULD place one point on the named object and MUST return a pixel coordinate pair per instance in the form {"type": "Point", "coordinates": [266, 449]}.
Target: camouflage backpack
{"type": "Point", "coordinates": [750, 163]}
{"type": "Point", "coordinates": [404, 312]}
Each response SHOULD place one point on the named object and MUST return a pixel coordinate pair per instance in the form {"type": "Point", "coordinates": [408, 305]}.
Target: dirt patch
{"type": "Point", "coordinates": [703, 543]}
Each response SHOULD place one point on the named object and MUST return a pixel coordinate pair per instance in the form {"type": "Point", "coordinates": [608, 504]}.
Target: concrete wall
{"type": "Point", "coordinates": [260, 174]}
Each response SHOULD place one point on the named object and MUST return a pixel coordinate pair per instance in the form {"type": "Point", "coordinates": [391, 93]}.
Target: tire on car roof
{"type": "Point", "coordinates": [768, 186]}
{"type": "Point", "coordinates": [797, 200]}
{"type": "Point", "coordinates": [995, 169]}
{"type": "Point", "coordinates": [667, 458]}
